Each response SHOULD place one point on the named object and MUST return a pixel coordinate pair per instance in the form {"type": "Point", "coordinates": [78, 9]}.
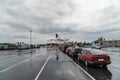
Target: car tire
{"type": "Point", "coordinates": [78, 59]}
{"type": "Point", "coordinates": [86, 63]}
{"type": "Point", "coordinates": [72, 55]}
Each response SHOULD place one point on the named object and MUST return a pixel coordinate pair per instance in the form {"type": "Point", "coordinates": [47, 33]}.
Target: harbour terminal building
{"type": "Point", "coordinates": [107, 43]}
{"type": "Point", "coordinates": [112, 43]}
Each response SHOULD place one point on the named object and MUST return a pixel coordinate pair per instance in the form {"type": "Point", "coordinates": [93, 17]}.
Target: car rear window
{"type": "Point", "coordinates": [78, 50]}
{"type": "Point", "coordinates": [96, 52]}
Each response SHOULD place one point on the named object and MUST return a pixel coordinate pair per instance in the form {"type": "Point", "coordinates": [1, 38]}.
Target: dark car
{"type": "Point", "coordinates": [63, 48]}
{"type": "Point", "coordinates": [73, 51]}
{"type": "Point", "coordinates": [94, 57]}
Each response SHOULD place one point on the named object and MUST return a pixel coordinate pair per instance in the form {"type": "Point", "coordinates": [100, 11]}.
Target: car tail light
{"type": "Point", "coordinates": [108, 57]}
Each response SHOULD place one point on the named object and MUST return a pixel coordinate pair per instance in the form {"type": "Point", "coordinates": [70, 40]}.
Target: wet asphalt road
{"type": "Point", "coordinates": [21, 65]}
{"type": "Point", "coordinates": [24, 65]}
{"type": "Point", "coordinates": [114, 67]}
{"type": "Point", "coordinates": [62, 69]}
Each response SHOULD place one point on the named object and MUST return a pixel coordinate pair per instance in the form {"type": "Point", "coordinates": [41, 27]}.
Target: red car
{"type": "Point", "coordinates": [94, 57]}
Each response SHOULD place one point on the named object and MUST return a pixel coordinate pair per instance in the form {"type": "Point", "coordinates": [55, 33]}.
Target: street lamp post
{"type": "Point", "coordinates": [30, 38]}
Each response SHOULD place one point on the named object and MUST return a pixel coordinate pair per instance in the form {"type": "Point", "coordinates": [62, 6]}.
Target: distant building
{"type": "Point", "coordinates": [112, 43]}
{"type": "Point", "coordinates": [107, 43]}
{"type": "Point", "coordinates": [99, 42]}
{"type": "Point", "coordinates": [3, 46]}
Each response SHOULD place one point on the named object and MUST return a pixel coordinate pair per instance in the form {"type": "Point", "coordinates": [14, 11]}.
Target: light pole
{"type": "Point", "coordinates": [30, 38]}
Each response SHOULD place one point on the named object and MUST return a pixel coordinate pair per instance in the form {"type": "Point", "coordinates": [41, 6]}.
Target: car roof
{"type": "Point", "coordinates": [78, 47]}
{"type": "Point", "coordinates": [89, 49]}
{"type": "Point", "coordinates": [86, 48]}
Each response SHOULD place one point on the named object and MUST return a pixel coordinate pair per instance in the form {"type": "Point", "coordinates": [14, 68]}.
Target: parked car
{"type": "Point", "coordinates": [94, 57]}
{"type": "Point", "coordinates": [67, 50]}
{"type": "Point", "coordinates": [63, 48]}
{"type": "Point", "coordinates": [96, 47]}
{"type": "Point", "coordinates": [73, 51]}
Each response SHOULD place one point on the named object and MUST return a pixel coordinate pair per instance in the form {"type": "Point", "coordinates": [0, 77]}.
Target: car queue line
{"type": "Point", "coordinates": [89, 56]}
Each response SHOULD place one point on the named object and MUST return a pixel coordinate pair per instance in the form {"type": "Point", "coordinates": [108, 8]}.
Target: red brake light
{"type": "Point", "coordinates": [108, 57]}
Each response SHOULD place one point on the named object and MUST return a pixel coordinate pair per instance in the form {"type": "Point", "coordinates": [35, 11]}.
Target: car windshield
{"type": "Point", "coordinates": [96, 52]}
{"type": "Point", "coordinates": [78, 50]}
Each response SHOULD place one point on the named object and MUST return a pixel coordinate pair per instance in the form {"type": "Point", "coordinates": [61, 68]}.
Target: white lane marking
{"type": "Point", "coordinates": [36, 78]}
{"type": "Point", "coordinates": [6, 69]}
{"type": "Point", "coordinates": [82, 69]}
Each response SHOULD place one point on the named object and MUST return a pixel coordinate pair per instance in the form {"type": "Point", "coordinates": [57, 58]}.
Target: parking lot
{"type": "Point", "coordinates": [41, 64]}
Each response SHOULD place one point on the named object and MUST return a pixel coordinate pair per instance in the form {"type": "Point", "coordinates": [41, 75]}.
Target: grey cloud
{"type": "Point", "coordinates": [110, 16]}
{"type": "Point", "coordinates": [21, 13]}
{"type": "Point", "coordinates": [20, 36]}
{"type": "Point", "coordinates": [52, 29]}
{"type": "Point", "coordinates": [13, 13]}
{"type": "Point", "coordinates": [55, 30]}
{"type": "Point", "coordinates": [111, 12]}
{"type": "Point", "coordinates": [41, 14]}
{"type": "Point", "coordinates": [17, 25]}
{"type": "Point", "coordinates": [11, 2]}
{"type": "Point", "coordinates": [102, 31]}
{"type": "Point", "coordinates": [50, 9]}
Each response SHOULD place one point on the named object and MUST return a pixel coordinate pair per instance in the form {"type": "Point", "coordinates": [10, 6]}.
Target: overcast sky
{"type": "Point", "coordinates": [78, 20]}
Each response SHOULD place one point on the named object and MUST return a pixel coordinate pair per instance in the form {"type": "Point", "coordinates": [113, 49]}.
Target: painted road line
{"type": "Point", "coordinates": [6, 69]}
{"type": "Point", "coordinates": [81, 69]}
{"type": "Point", "coordinates": [42, 68]}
